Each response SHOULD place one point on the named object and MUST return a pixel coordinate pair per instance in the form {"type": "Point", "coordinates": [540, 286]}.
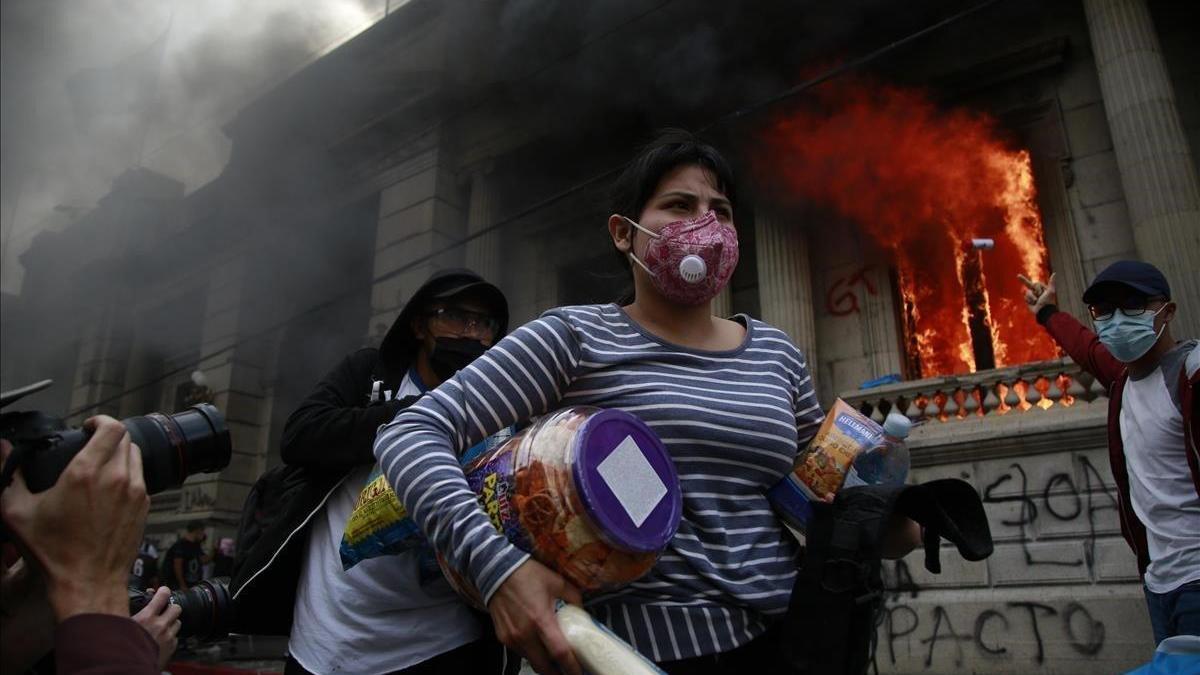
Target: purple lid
{"type": "Point", "coordinates": [627, 482]}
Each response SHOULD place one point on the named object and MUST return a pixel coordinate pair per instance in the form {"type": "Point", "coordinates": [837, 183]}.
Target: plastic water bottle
{"type": "Point", "coordinates": [887, 462]}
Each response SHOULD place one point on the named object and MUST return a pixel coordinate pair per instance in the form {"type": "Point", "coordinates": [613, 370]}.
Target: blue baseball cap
{"type": "Point", "coordinates": [1142, 277]}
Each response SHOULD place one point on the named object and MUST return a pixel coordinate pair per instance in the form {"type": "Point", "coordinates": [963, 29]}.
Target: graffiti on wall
{"type": "Point", "coordinates": [196, 498]}
{"type": "Point", "coordinates": [989, 633]}
{"type": "Point", "coordinates": [842, 297]}
{"type": "Point", "coordinates": [936, 634]}
{"type": "Point", "coordinates": [1061, 500]}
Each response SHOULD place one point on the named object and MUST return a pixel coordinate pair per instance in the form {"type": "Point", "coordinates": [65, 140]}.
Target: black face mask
{"type": "Point", "coordinates": [452, 354]}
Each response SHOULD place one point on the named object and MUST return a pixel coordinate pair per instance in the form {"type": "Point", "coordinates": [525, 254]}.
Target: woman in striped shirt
{"type": "Point", "coordinates": [731, 399]}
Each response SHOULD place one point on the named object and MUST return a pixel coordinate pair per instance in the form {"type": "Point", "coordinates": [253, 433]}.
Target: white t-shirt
{"type": "Point", "coordinates": [1160, 482]}
{"type": "Point", "coordinates": [375, 617]}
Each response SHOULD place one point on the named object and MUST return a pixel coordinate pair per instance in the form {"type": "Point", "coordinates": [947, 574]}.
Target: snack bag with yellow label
{"type": "Point", "coordinates": [821, 468]}
{"type": "Point", "coordinates": [379, 524]}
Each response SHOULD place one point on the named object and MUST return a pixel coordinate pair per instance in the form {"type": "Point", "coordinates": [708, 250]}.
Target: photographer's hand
{"type": "Point", "coordinates": [160, 618]}
{"type": "Point", "coordinates": [83, 533]}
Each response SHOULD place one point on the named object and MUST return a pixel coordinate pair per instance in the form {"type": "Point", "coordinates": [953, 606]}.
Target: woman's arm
{"type": "Point", "coordinates": [521, 376]}
{"type": "Point", "coordinates": [809, 414]}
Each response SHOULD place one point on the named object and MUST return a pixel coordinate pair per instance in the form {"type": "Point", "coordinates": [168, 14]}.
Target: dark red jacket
{"type": "Point", "coordinates": [1082, 345]}
{"type": "Point", "coordinates": [104, 644]}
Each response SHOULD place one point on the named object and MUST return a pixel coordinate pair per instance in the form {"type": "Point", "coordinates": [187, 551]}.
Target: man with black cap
{"type": "Point", "coordinates": [382, 615]}
{"type": "Point", "coordinates": [1153, 426]}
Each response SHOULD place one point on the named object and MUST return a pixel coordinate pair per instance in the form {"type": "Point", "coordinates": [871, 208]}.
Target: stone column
{"type": "Point", "coordinates": [421, 216]}
{"type": "Point", "coordinates": [785, 280]}
{"type": "Point", "coordinates": [103, 358]}
{"type": "Point", "coordinates": [483, 252]}
{"type": "Point", "coordinates": [233, 368]}
{"type": "Point", "coordinates": [1156, 166]}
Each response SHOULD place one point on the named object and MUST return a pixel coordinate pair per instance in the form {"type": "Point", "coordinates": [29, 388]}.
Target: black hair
{"type": "Point", "coordinates": [670, 148]}
{"type": "Point", "coordinates": [195, 525]}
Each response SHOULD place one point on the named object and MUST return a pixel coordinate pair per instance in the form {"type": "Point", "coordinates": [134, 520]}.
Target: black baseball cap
{"type": "Point", "coordinates": [400, 344]}
{"type": "Point", "coordinates": [1142, 277]}
{"type": "Point", "coordinates": [487, 292]}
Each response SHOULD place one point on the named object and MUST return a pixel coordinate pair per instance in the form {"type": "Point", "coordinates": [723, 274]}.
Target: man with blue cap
{"type": "Point", "coordinates": [1153, 426]}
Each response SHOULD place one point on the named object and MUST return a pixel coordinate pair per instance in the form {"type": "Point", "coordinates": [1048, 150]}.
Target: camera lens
{"type": "Point", "coordinates": [206, 610]}
{"type": "Point", "coordinates": [177, 446]}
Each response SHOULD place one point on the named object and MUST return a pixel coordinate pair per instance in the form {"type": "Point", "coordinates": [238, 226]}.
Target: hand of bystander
{"type": "Point", "coordinates": [1038, 294]}
{"type": "Point", "coordinates": [160, 618]}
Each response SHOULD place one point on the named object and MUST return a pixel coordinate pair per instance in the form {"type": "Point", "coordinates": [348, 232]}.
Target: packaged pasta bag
{"type": "Point", "coordinates": [820, 469]}
{"type": "Point", "coordinates": [379, 523]}
{"type": "Point", "coordinates": [590, 493]}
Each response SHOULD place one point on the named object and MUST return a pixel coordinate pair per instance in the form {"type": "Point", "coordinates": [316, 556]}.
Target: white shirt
{"type": "Point", "coordinates": [375, 617]}
{"type": "Point", "coordinates": [1160, 482]}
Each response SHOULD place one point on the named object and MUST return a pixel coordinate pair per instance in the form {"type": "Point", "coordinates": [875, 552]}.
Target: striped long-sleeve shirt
{"type": "Point", "coordinates": [731, 420]}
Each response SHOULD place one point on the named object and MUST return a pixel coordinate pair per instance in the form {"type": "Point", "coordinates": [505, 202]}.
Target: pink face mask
{"type": "Point", "coordinates": [690, 261]}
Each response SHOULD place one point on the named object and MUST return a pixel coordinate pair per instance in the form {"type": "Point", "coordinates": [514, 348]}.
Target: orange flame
{"type": "Point", "coordinates": [923, 182]}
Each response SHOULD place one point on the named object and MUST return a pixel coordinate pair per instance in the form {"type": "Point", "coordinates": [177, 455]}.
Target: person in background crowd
{"type": "Point", "coordinates": [144, 572]}
{"type": "Point", "coordinates": [183, 565]}
{"type": "Point", "coordinates": [222, 558]}
{"type": "Point", "coordinates": [1153, 426]}
{"type": "Point", "coordinates": [731, 398]}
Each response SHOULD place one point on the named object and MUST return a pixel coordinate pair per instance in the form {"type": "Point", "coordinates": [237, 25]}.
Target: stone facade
{"type": "Point", "coordinates": [422, 170]}
{"type": "Point", "coordinates": [1060, 594]}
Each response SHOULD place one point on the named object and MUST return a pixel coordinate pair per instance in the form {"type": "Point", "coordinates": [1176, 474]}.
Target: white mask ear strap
{"type": "Point", "coordinates": [641, 264]}
{"type": "Point", "coordinates": [633, 257]}
{"type": "Point", "coordinates": [652, 234]}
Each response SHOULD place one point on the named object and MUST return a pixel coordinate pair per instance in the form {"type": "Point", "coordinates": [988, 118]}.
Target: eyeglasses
{"type": "Point", "coordinates": [1129, 307]}
{"type": "Point", "coordinates": [465, 322]}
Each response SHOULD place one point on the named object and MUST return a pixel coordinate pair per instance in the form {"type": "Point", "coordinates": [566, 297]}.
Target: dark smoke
{"type": "Point", "coordinates": [90, 89]}
{"type": "Point", "coordinates": [592, 78]}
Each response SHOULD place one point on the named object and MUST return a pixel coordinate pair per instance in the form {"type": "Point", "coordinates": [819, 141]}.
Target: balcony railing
{"type": "Point", "coordinates": [1017, 390]}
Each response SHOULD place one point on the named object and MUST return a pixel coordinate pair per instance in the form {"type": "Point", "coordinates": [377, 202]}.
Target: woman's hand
{"type": "Point", "coordinates": [160, 618]}
{"type": "Point", "coordinates": [523, 611]}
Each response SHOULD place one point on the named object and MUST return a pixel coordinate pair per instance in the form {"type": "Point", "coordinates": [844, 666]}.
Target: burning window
{"type": "Point", "coordinates": [927, 184]}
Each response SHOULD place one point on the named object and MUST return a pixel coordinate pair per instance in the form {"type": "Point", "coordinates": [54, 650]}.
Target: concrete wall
{"type": "Point", "coordinates": [1061, 592]}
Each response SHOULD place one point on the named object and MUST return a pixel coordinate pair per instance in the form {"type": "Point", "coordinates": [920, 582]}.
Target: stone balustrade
{"type": "Point", "coordinates": [1040, 387]}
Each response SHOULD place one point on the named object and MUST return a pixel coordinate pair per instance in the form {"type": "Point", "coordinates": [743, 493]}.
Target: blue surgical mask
{"type": "Point", "coordinates": [1128, 338]}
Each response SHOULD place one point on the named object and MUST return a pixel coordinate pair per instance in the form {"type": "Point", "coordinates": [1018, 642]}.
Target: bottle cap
{"type": "Point", "coordinates": [897, 425]}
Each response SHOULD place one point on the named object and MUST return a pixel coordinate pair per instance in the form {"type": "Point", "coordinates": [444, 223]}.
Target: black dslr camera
{"type": "Point", "coordinates": [207, 610]}
{"type": "Point", "coordinates": [173, 446]}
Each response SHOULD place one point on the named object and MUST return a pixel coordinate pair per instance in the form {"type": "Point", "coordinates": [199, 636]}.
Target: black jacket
{"type": "Point", "coordinates": [331, 433]}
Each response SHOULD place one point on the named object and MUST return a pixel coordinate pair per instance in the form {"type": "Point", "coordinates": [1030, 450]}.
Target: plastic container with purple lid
{"type": "Point", "coordinates": [590, 493]}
